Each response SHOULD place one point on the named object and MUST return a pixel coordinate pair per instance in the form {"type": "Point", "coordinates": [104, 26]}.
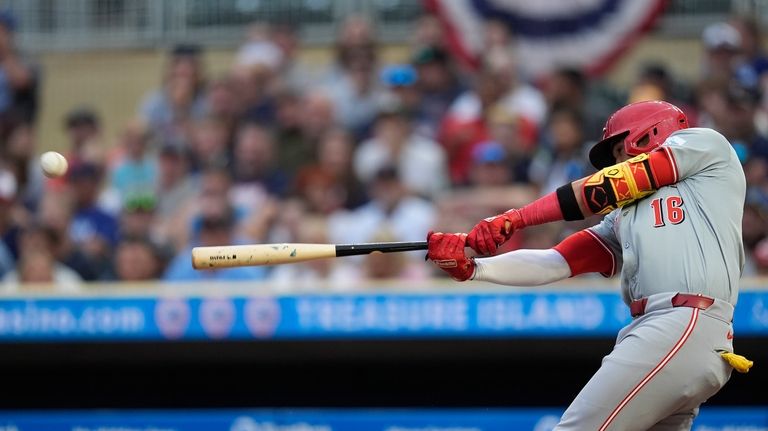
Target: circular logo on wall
{"type": "Point", "coordinates": [547, 423]}
{"type": "Point", "coordinates": [217, 315]}
{"type": "Point", "coordinates": [243, 423]}
{"type": "Point", "coordinates": [262, 316]}
{"type": "Point", "coordinates": [172, 317]}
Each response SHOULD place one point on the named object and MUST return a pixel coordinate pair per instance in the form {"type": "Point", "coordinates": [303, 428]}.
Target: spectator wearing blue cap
{"type": "Point", "coordinates": [18, 78]}
{"type": "Point", "coordinates": [400, 80]}
{"type": "Point", "coordinates": [489, 165]}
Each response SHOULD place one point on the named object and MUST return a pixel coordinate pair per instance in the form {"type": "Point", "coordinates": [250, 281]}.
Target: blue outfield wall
{"type": "Point", "coordinates": [446, 313]}
{"type": "Point", "coordinates": [537, 419]}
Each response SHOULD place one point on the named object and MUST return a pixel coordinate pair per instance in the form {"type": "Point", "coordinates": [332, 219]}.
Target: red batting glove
{"type": "Point", "coordinates": [447, 251]}
{"type": "Point", "coordinates": [494, 231]}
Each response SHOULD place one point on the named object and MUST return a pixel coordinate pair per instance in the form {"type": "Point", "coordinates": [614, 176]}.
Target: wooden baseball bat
{"type": "Point", "coordinates": [229, 256]}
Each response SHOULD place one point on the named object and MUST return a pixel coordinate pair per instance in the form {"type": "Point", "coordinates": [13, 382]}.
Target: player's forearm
{"type": "Point", "coordinates": [523, 268]}
{"type": "Point", "coordinates": [602, 192]}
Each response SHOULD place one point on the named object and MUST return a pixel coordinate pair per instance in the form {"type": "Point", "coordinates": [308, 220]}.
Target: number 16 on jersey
{"type": "Point", "coordinates": [667, 209]}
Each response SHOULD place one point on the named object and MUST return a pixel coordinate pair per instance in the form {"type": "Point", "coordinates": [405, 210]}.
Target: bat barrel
{"type": "Point", "coordinates": [384, 247]}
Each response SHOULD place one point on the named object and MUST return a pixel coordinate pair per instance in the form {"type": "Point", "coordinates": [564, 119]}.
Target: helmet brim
{"type": "Point", "coordinates": [601, 154]}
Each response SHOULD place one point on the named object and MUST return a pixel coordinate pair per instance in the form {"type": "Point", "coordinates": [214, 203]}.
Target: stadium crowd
{"type": "Point", "coordinates": [276, 151]}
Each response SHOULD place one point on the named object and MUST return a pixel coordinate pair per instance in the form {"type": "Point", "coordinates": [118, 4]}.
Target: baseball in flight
{"type": "Point", "coordinates": [54, 164]}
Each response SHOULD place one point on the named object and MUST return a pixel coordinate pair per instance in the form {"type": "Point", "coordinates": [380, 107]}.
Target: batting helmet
{"type": "Point", "coordinates": [655, 120]}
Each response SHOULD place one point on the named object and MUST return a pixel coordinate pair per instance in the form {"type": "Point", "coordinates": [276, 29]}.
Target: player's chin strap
{"type": "Point", "coordinates": [738, 362]}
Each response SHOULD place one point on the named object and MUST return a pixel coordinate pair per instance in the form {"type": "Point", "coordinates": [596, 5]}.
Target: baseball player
{"type": "Point", "coordinates": [673, 199]}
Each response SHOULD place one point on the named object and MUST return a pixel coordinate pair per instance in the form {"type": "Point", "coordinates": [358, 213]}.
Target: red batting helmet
{"type": "Point", "coordinates": [632, 123]}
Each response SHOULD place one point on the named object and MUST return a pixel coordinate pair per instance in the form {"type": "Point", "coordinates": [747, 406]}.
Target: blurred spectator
{"type": "Point", "coordinates": [760, 254]}
{"type": "Point", "coordinates": [400, 83]}
{"type": "Point", "coordinates": [563, 159]}
{"type": "Point", "coordinates": [294, 75]}
{"type": "Point", "coordinates": [136, 170]}
{"type": "Point", "coordinates": [330, 184]}
{"type": "Point", "coordinates": [317, 115]}
{"type": "Point", "coordinates": [421, 163]}
{"type": "Point", "coordinates": [489, 166]}
{"type": "Point", "coordinates": [175, 185]}
{"type": "Point", "coordinates": [569, 88]}
{"type": "Point", "coordinates": [512, 93]}
{"type": "Point", "coordinates": [496, 87]}
{"type": "Point", "coordinates": [505, 129]}
{"type": "Point", "coordinates": [722, 44]}
{"type": "Point", "coordinates": [712, 102]}
{"type": "Point", "coordinates": [210, 144]}
{"type": "Point", "coordinates": [496, 35]}
{"type": "Point", "coordinates": [752, 70]}
{"type": "Point", "coordinates": [744, 108]}
{"type": "Point", "coordinates": [428, 32]}
{"type": "Point", "coordinates": [392, 207]}
{"type": "Point", "coordinates": [438, 86]}
{"type": "Point", "coordinates": [655, 82]}
{"type": "Point", "coordinates": [259, 50]}
{"type": "Point", "coordinates": [93, 230]}
{"type": "Point", "coordinates": [137, 217]}
{"type": "Point", "coordinates": [255, 72]}
{"type": "Point", "coordinates": [754, 231]}
{"type": "Point", "coordinates": [39, 268]}
{"type": "Point", "coordinates": [19, 79]}
{"type": "Point", "coordinates": [8, 229]}
{"type": "Point", "coordinates": [55, 213]}
{"type": "Point", "coordinates": [20, 156]}
{"type": "Point", "coordinates": [254, 170]}
{"type": "Point", "coordinates": [181, 98]}
{"type": "Point", "coordinates": [222, 102]}
{"type": "Point", "coordinates": [216, 228]}
{"type": "Point", "coordinates": [214, 196]}
{"type": "Point", "coordinates": [294, 147]}
{"type": "Point", "coordinates": [137, 259]}
{"type": "Point", "coordinates": [37, 263]}
{"type": "Point", "coordinates": [83, 128]}
{"type": "Point", "coordinates": [353, 85]}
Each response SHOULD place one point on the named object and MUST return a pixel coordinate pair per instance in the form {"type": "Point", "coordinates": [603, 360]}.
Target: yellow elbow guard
{"type": "Point", "coordinates": [620, 184]}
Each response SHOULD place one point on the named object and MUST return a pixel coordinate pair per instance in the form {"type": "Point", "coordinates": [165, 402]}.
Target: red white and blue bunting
{"type": "Point", "coordinates": [589, 34]}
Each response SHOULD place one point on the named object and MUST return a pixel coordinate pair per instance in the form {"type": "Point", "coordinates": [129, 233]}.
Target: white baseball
{"type": "Point", "coordinates": [54, 164]}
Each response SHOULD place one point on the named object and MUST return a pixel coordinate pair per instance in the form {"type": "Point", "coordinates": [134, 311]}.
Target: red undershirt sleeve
{"type": "Point", "coordinates": [585, 252]}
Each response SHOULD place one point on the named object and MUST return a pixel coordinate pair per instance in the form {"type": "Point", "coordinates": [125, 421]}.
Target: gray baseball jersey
{"type": "Point", "coordinates": [683, 238]}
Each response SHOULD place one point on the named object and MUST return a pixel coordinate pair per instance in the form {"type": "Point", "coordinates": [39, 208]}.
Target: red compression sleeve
{"type": "Point", "coordinates": [663, 166]}
{"type": "Point", "coordinates": [586, 252]}
{"type": "Point", "coordinates": [543, 210]}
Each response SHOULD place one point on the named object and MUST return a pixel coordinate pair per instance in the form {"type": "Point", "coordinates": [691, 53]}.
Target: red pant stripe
{"type": "Point", "coordinates": [654, 371]}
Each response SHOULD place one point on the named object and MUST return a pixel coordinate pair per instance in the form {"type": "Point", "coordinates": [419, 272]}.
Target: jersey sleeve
{"type": "Point", "coordinates": [696, 150]}
{"type": "Point", "coordinates": [595, 249]}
